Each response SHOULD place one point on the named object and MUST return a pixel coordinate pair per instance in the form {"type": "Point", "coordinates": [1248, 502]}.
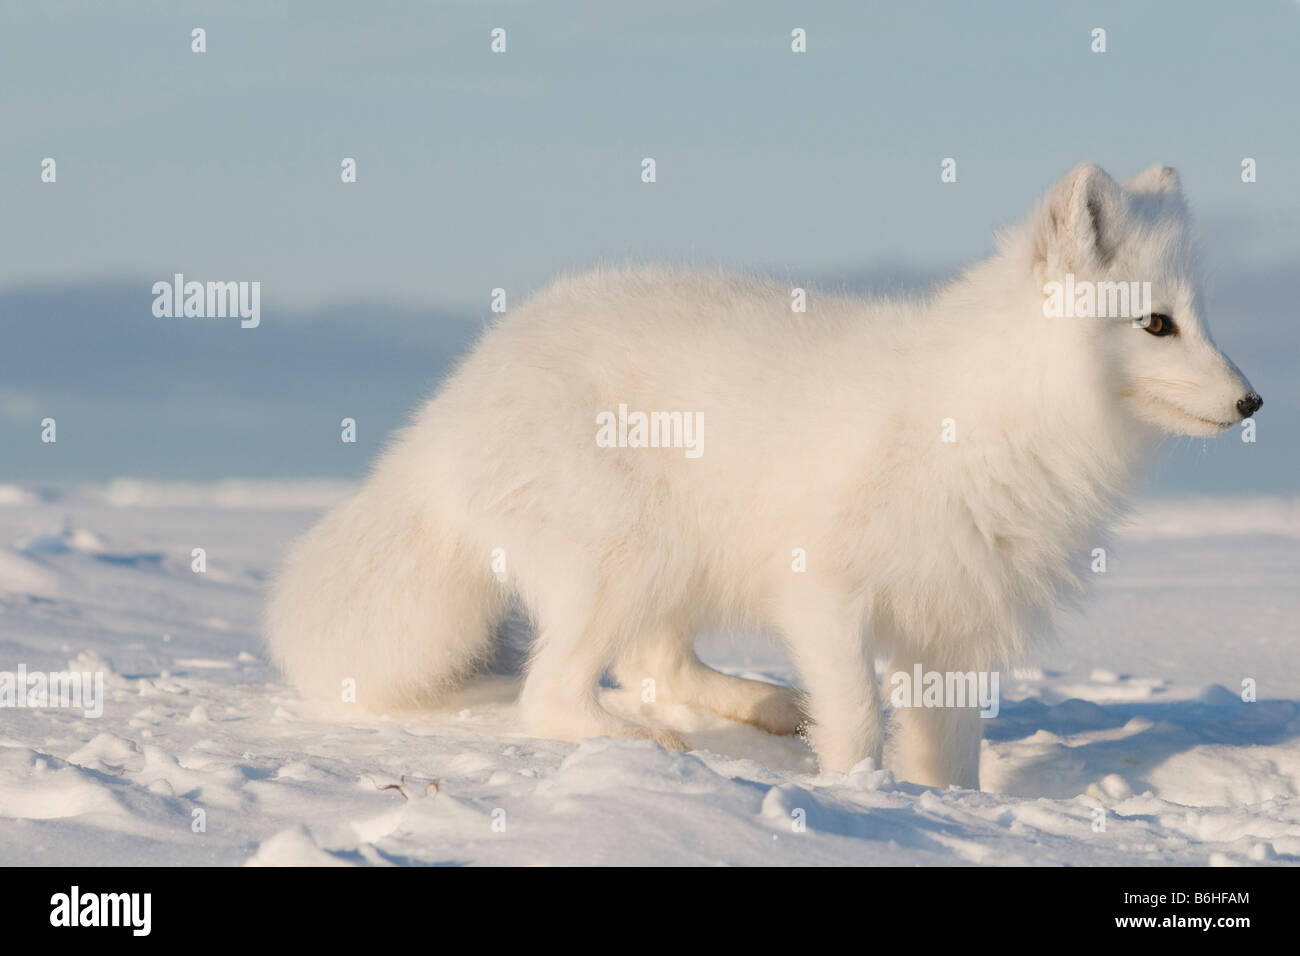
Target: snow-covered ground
{"type": "Point", "coordinates": [1137, 709]}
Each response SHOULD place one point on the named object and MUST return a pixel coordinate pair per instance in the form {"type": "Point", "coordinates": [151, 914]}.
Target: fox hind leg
{"type": "Point", "coordinates": [560, 699]}
{"type": "Point", "coordinates": [680, 677]}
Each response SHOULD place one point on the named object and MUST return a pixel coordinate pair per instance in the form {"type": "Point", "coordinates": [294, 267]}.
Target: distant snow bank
{"type": "Point", "coordinates": [235, 493]}
{"type": "Point", "coordinates": [1212, 517]}
{"type": "Point", "coordinates": [1152, 519]}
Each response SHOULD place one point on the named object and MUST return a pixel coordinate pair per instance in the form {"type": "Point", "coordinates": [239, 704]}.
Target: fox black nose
{"type": "Point", "coordinates": [1250, 404]}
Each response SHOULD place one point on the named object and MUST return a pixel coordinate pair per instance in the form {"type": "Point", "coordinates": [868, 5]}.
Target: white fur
{"type": "Point", "coordinates": [821, 432]}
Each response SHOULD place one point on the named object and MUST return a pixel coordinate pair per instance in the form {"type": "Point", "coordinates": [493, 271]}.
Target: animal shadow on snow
{"type": "Point", "coordinates": [1131, 739]}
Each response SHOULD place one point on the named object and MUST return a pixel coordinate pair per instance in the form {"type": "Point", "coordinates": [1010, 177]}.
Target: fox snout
{"type": "Point", "coordinates": [1250, 404]}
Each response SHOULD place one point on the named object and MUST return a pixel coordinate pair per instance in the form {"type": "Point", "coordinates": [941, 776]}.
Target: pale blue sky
{"type": "Point", "coordinates": [479, 170]}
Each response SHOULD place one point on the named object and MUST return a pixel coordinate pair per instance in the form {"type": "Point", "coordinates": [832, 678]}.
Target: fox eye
{"type": "Point", "coordinates": [1158, 324]}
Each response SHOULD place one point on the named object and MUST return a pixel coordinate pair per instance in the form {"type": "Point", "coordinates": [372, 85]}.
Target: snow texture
{"type": "Point", "coordinates": [1137, 708]}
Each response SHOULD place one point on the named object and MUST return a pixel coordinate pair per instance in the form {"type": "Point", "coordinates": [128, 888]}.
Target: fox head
{"type": "Point", "coordinates": [1097, 242]}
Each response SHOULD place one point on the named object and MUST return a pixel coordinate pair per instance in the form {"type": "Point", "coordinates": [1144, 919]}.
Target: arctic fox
{"type": "Point", "coordinates": [918, 479]}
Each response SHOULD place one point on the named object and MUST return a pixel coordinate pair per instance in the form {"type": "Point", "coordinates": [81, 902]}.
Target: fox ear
{"type": "Point", "coordinates": [1154, 180]}
{"type": "Point", "coordinates": [1081, 220]}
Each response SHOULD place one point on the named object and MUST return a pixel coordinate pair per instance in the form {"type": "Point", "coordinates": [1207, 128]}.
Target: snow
{"type": "Point", "coordinates": [1136, 709]}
